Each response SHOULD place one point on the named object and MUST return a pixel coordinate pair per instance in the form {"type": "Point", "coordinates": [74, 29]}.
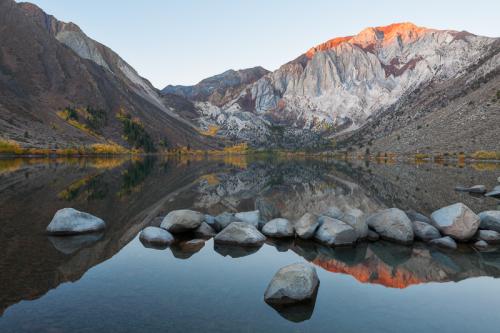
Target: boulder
{"type": "Point", "coordinates": [210, 220]}
{"type": "Point", "coordinates": [457, 221]}
{"type": "Point", "coordinates": [490, 220]}
{"type": "Point", "coordinates": [490, 236]}
{"type": "Point", "coordinates": [473, 189]}
{"type": "Point", "coordinates": [156, 236]}
{"type": "Point", "coordinates": [183, 220]}
{"type": "Point", "coordinates": [334, 213]}
{"type": "Point", "coordinates": [240, 233]}
{"type": "Point", "coordinates": [356, 219]}
{"type": "Point", "coordinates": [306, 226]}
{"type": "Point", "coordinates": [278, 228]}
{"type": "Point", "coordinates": [415, 216]}
{"type": "Point", "coordinates": [69, 221]}
{"type": "Point", "coordinates": [425, 232]}
{"type": "Point", "coordinates": [495, 193]}
{"type": "Point", "coordinates": [292, 284]}
{"type": "Point", "coordinates": [444, 242]}
{"type": "Point", "coordinates": [267, 209]}
{"type": "Point", "coordinates": [251, 218]}
{"type": "Point", "coordinates": [223, 220]}
{"type": "Point", "coordinates": [392, 224]}
{"type": "Point", "coordinates": [204, 231]}
{"type": "Point", "coordinates": [334, 232]}
{"type": "Point", "coordinates": [372, 236]}
{"type": "Point", "coordinates": [481, 245]}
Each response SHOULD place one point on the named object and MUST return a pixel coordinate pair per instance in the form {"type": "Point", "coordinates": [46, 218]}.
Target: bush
{"type": "Point", "coordinates": [135, 134]}
{"type": "Point", "coordinates": [486, 155]}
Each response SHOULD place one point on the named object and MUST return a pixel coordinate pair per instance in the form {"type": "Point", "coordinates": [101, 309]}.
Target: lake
{"type": "Point", "coordinates": [111, 282]}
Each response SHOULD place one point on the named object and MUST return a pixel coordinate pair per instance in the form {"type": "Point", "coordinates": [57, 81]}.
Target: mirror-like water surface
{"type": "Point", "coordinates": [110, 282]}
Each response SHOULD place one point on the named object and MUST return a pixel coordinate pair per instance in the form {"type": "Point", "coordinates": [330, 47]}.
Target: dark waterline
{"type": "Point", "coordinates": [119, 285]}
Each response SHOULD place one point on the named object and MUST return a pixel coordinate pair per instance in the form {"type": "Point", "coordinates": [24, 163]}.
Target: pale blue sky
{"type": "Point", "coordinates": [184, 41]}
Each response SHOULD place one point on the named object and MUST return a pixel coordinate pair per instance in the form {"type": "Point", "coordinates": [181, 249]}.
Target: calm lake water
{"type": "Point", "coordinates": [110, 282]}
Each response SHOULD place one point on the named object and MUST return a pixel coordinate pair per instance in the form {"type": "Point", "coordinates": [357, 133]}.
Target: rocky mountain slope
{"type": "Point", "coordinates": [59, 88]}
{"type": "Point", "coordinates": [338, 86]}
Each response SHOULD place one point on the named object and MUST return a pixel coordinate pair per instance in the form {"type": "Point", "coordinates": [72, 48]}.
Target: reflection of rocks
{"type": "Point", "coordinates": [235, 251]}
{"type": "Point", "coordinates": [297, 312]}
{"type": "Point", "coordinates": [186, 249]}
{"type": "Point", "coordinates": [71, 244]}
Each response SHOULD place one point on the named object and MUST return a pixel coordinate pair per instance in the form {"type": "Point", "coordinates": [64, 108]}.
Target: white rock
{"type": "Point", "coordinates": [456, 221]}
{"type": "Point", "coordinates": [156, 236]}
{"type": "Point", "coordinates": [182, 221]}
{"type": "Point", "coordinates": [392, 224]}
{"type": "Point", "coordinates": [251, 218]}
{"type": "Point", "coordinates": [335, 232]}
{"type": "Point", "coordinates": [69, 221]}
{"type": "Point", "coordinates": [306, 226]}
{"type": "Point", "coordinates": [240, 233]}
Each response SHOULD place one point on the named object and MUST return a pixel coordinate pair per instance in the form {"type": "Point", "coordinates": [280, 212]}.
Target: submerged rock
{"type": "Point", "coordinates": [392, 224]}
{"type": "Point", "coordinates": [204, 231]}
{"type": "Point", "coordinates": [457, 221]}
{"type": "Point", "coordinates": [490, 220]}
{"type": "Point", "coordinates": [156, 236]}
{"type": "Point", "coordinates": [240, 233]}
{"type": "Point", "coordinates": [251, 218]}
{"type": "Point", "coordinates": [294, 283]}
{"type": "Point", "coordinates": [267, 209]}
{"type": "Point", "coordinates": [444, 242]}
{"type": "Point", "coordinates": [335, 232]}
{"type": "Point", "coordinates": [278, 228]}
{"type": "Point", "coordinates": [425, 232]}
{"type": "Point", "coordinates": [306, 226]}
{"type": "Point", "coordinates": [69, 221]}
{"type": "Point", "coordinates": [183, 220]}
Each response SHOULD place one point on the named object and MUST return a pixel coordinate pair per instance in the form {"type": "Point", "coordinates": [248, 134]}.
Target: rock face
{"type": "Point", "coordinates": [457, 221]}
{"type": "Point", "coordinates": [278, 228]}
{"type": "Point", "coordinates": [69, 221]}
{"type": "Point", "coordinates": [356, 220]}
{"type": "Point", "coordinates": [424, 231]}
{"type": "Point", "coordinates": [306, 226]}
{"type": "Point", "coordinates": [204, 231]}
{"type": "Point", "coordinates": [156, 236]}
{"type": "Point", "coordinates": [444, 242]}
{"type": "Point", "coordinates": [392, 224]}
{"type": "Point", "coordinates": [182, 220]}
{"type": "Point", "coordinates": [489, 236]}
{"type": "Point", "coordinates": [335, 232]}
{"type": "Point", "coordinates": [240, 233]}
{"type": "Point", "coordinates": [294, 283]}
{"type": "Point", "coordinates": [251, 218]}
{"type": "Point", "coordinates": [490, 220]}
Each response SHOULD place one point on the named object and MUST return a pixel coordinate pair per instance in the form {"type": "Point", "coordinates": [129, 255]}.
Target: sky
{"type": "Point", "coordinates": [185, 41]}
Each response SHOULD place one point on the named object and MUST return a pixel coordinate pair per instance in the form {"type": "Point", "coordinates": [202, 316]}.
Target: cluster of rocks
{"type": "Point", "coordinates": [480, 189]}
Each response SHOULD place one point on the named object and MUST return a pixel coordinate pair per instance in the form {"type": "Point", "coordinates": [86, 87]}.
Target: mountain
{"type": "Point", "coordinates": [341, 85]}
{"type": "Point", "coordinates": [59, 88]}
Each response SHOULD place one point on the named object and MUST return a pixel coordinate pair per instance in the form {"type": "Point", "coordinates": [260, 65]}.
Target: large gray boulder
{"type": "Point", "coordinates": [278, 228]}
{"type": "Point", "coordinates": [392, 224]}
{"type": "Point", "coordinates": [156, 236]}
{"type": "Point", "coordinates": [267, 209]}
{"type": "Point", "coordinates": [69, 221]}
{"type": "Point", "coordinates": [457, 221]}
{"type": "Point", "coordinates": [240, 233]}
{"type": "Point", "coordinates": [444, 242]}
{"type": "Point", "coordinates": [356, 219]}
{"type": "Point", "coordinates": [490, 220]}
{"type": "Point", "coordinates": [204, 231]}
{"type": "Point", "coordinates": [416, 216]}
{"type": "Point", "coordinates": [490, 236]}
{"type": "Point", "coordinates": [306, 226]}
{"type": "Point", "coordinates": [335, 232]}
{"type": "Point", "coordinates": [292, 284]}
{"type": "Point", "coordinates": [424, 231]}
{"type": "Point", "coordinates": [183, 220]}
{"type": "Point", "coordinates": [334, 212]}
{"type": "Point", "coordinates": [223, 220]}
{"type": "Point", "coordinates": [251, 218]}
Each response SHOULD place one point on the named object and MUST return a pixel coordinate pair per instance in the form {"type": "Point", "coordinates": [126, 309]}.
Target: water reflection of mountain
{"type": "Point", "coordinates": [131, 194]}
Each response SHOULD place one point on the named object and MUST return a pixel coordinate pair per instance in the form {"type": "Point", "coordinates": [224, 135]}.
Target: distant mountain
{"type": "Point", "coordinates": [47, 66]}
{"type": "Point", "coordinates": [339, 86]}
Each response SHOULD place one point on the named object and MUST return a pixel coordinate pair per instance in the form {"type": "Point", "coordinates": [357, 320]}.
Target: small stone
{"type": "Point", "coordinates": [306, 226]}
{"type": "Point", "coordinates": [251, 218]}
{"type": "Point", "coordinates": [425, 232]}
{"type": "Point", "coordinates": [490, 236]}
{"type": "Point", "coordinates": [481, 244]}
{"type": "Point", "coordinates": [279, 227]}
{"type": "Point", "coordinates": [156, 236]}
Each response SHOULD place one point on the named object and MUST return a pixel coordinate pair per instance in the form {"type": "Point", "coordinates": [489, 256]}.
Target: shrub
{"type": "Point", "coordinates": [486, 155]}
{"type": "Point", "coordinates": [10, 147]}
{"type": "Point", "coordinates": [135, 134]}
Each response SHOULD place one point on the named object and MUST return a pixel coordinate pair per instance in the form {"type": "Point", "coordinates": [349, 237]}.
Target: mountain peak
{"type": "Point", "coordinates": [382, 35]}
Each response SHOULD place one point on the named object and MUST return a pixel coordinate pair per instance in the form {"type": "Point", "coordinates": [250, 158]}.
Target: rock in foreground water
{"type": "Point", "coordinates": [156, 236]}
{"type": "Point", "coordinates": [490, 220]}
{"type": "Point", "coordinates": [240, 233]}
{"type": "Point", "coordinates": [392, 224]}
{"type": "Point", "coordinates": [294, 283]}
{"type": "Point", "coordinates": [278, 228]}
{"type": "Point", "coordinates": [457, 221]}
{"type": "Point", "coordinates": [69, 221]}
{"type": "Point", "coordinates": [335, 232]}
{"type": "Point", "coordinates": [306, 226]}
{"type": "Point", "coordinates": [183, 220]}
{"type": "Point", "coordinates": [425, 232]}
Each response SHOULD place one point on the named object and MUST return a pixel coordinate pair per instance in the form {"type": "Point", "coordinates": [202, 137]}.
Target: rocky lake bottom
{"type": "Point", "coordinates": [111, 282]}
